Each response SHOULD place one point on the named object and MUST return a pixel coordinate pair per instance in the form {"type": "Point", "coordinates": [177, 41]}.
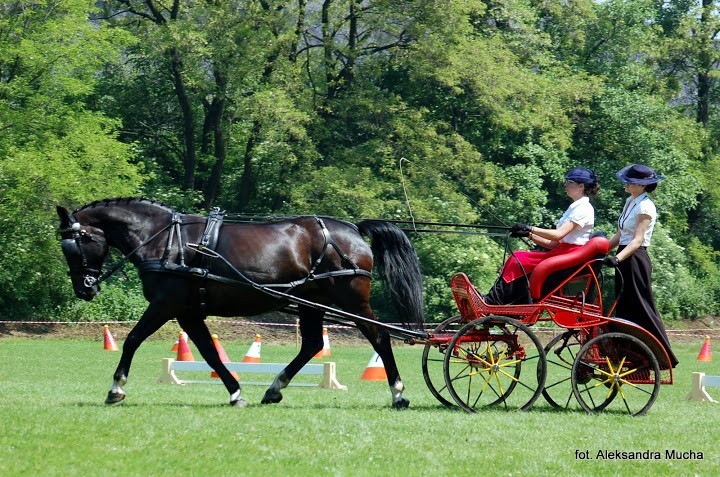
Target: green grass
{"type": "Point", "coordinates": [53, 422]}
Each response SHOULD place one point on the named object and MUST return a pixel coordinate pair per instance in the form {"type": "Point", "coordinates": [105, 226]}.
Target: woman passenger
{"type": "Point", "coordinates": [633, 270]}
{"type": "Point", "coordinates": [571, 231]}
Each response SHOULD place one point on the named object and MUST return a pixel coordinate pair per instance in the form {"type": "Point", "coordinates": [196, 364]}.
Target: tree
{"type": "Point", "coordinates": [53, 150]}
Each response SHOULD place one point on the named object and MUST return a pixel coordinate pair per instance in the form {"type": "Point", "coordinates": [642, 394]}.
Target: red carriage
{"type": "Point", "coordinates": [489, 355]}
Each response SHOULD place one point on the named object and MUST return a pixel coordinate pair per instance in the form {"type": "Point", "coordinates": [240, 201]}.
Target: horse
{"type": "Point", "coordinates": [192, 266]}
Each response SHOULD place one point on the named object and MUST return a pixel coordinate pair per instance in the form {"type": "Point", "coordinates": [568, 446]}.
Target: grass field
{"type": "Point", "coordinates": [53, 422]}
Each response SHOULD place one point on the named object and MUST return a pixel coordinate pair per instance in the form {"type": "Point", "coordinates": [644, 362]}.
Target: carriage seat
{"type": "Point", "coordinates": [596, 247]}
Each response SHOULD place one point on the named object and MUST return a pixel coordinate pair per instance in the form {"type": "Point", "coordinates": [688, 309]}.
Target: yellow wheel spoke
{"type": "Point", "coordinates": [509, 376]}
{"type": "Point", "coordinates": [509, 363]}
{"type": "Point", "coordinates": [499, 384]}
{"type": "Point", "coordinates": [604, 372]}
{"type": "Point", "coordinates": [602, 383]}
{"type": "Point", "coordinates": [610, 366]}
{"type": "Point", "coordinates": [622, 375]}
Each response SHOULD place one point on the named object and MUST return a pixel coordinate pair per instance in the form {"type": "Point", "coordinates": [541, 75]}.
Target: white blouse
{"type": "Point", "coordinates": [628, 219]}
{"type": "Point", "coordinates": [582, 213]}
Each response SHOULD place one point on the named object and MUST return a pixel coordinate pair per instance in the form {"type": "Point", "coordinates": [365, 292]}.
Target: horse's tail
{"type": "Point", "coordinates": [397, 263]}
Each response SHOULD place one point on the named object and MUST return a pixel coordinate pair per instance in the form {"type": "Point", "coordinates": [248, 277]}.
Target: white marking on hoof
{"type": "Point", "coordinates": [116, 389]}
{"type": "Point", "coordinates": [396, 390]}
{"type": "Point", "coordinates": [237, 401]}
{"type": "Point", "coordinates": [241, 403]}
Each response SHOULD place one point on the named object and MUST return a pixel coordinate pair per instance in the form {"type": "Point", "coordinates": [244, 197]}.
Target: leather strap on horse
{"type": "Point", "coordinates": [311, 276]}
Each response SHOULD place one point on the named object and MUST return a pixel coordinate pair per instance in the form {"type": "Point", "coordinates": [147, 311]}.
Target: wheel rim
{"type": "Point", "coordinates": [494, 361]}
{"type": "Point", "coordinates": [616, 372]}
{"type": "Point", "coordinates": [433, 359]}
{"type": "Point", "coordinates": [560, 354]}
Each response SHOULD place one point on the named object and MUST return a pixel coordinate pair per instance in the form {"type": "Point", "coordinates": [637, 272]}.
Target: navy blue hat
{"type": "Point", "coordinates": [639, 174]}
{"type": "Point", "coordinates": [581, 175]}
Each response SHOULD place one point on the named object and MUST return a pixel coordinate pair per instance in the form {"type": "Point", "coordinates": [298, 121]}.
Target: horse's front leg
{"type": "Point", "coordinates": [311, 321]}
{"type": "Point", "coordinates": [152, 319]}
{"type": "Point", "coordinates": [197, 330]}
{"type": "Point", "coordinates": [380, 341]}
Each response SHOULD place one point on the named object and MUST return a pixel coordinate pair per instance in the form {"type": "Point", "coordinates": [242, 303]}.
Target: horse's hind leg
{"type": "Point", "coordinates": [153, 318]}
{"type": "Point", "coordinates": [311, 321]}
{"type": "Point", "coordinates": [355, 299]}
{"type": "Point", "coordinates": [380, 340]}
{"type": "Point", "coordinates": [198, 332]}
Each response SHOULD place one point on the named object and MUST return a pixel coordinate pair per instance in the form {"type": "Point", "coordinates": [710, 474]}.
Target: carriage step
{"type": "Point", "coordinates": [327, 370]}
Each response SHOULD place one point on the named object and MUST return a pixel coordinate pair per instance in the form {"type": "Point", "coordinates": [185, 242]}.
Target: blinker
{"type": "Point", "coordinates": [70, 246]}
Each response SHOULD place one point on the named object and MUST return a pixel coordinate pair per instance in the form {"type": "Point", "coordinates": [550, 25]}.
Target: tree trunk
{"type": "Point", "coordinates": [189, 158]}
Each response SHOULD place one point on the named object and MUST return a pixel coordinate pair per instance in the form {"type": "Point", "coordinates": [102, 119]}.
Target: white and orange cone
{"type": "Point", "coordinates": [705, 351]}
{"type": "Point", "coordinates": [223, 357]}
{"type": "Point", "coordinates": [110, 344]}
{"type": "Point", "coordinates": [375, 370]}
{"type": "Point", "coordinates": [177, 342]}
{"type": "Point", "coordinates": [253, 353]}
{"type": "Point", "coordinates": [183, 352]}
{"type": "Point", "coordinates": [325, 351]}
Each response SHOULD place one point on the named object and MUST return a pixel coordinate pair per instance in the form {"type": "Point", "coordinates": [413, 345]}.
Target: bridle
{"type": "Point", "coordinates": [92, 277]}
{"type": "Point", "coordinates": [73, 246]}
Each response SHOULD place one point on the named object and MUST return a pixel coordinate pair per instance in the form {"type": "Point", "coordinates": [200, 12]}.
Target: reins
{"type": "Point", "coordinates": [174, 223]}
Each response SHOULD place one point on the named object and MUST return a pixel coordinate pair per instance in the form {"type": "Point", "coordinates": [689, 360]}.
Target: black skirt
{"type": "Point", "coordinates": [637, 303]}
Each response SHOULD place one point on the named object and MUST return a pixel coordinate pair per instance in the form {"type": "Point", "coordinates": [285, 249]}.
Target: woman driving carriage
{"type": "Point", "coordinates": [633, 274]}
{"type": "Point", "coordinates": [572, 231]}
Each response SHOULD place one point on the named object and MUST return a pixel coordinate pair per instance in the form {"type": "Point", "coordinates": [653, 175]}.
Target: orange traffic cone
{"type": "Point", "coordinates": [375, 370]}
{"type": "Point", "coordinates": [705, 352]}
{"type": "Point", "coordinates": [223, 357]}
{"type": "Point", "coordinates": [325, 351]}
{"type": "Point", "coordinates": [110, 344]}
{"type": "Point", "coordinates": [183, 352]}
{"type": "Point", "coordinates": [177, 342]}
{"type": "Point", "coordinates": [253, 354]}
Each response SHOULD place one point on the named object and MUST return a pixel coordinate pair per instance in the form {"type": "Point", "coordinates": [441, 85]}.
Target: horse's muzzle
{"type": "Point", "coordinates": [86, 292]}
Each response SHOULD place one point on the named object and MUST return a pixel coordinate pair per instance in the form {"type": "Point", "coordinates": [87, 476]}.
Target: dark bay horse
{"type": "Point", "coordinates": [321, 260]}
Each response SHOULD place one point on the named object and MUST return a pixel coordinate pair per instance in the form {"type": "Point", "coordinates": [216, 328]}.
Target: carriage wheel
{"type": "Point", "coordinates": [616, 371]}
{"type": "Point", "coordinates": [494, 360]}
{"type": "Point", "coordinates": [560, 355]}
{"type": "Point", "coordinates": [433, 357]}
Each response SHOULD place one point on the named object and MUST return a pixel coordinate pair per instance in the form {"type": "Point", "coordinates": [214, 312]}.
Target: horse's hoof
{"type": "Point", "coordinates": [401, 404]}
{"type": "Point", "coordinates": [239, 403]}
{"type": "Point", "coordinates": [114, 398]}
{"type": "Point", "coordinates": [271, 397]}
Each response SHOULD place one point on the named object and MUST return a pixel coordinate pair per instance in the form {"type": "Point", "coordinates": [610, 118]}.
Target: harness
{"type": "Point", "coordinates": [206, 248]}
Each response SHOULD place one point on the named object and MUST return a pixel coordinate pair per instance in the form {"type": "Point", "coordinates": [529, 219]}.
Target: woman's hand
{"type": "Point", "coordinates": [520, 230]}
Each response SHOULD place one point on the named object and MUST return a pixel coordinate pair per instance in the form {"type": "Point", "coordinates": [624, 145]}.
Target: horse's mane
{"type": "Point", "coordinates": [123, 200]}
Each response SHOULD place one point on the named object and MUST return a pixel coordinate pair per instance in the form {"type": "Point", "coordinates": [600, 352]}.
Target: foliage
{"type": "Point", "coordinates": [53, 150]}
{"type": "Point", "coordinates": [313, 107]}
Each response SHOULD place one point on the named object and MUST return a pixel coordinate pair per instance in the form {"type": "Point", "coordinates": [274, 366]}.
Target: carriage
{"type": "Point", "coordinates": [320, 268]}
{"type": "Point", "coordinates": [489, 355]}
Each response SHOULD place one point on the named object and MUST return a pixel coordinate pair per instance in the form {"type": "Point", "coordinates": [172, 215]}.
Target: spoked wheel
{"type": "Point", "coordinates": [560, 355]}
{"type": "Point", "coordinates": [618, 372]}
{"type": "Point", "coordinates": [433, 357]}
{"type": "Point", "coordinates": [494, 360]}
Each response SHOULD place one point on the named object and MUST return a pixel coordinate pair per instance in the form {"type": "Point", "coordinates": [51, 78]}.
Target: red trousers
{"type": "Point", "coordinates": [529, 260]}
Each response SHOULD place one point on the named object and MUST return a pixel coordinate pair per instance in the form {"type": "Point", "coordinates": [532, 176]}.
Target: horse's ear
{"type": "Point", "coordinates": [64, 217]}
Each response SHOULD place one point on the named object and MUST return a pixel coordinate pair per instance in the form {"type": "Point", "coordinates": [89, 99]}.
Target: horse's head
{"type": "Point", "coordinates": [85, 249]}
